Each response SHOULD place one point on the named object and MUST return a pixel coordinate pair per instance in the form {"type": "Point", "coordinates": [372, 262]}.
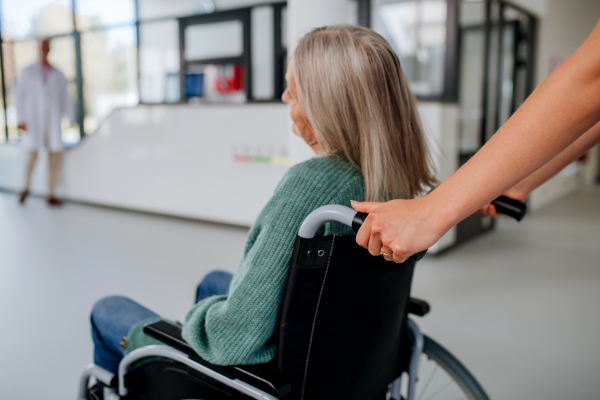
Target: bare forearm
{"type": "Point", "coordinates": [558, 112]}
{"type": "Point", "coordinates": [570, 154]}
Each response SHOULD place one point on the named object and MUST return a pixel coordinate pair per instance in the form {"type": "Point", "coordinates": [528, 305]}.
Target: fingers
{"type": "Point", "coordinates": [375, 244]}
{"type": "Point", "coordinates": [489, 211]}
{"type": "Point", "coordinates": [387, 253]}
{"type": "Point", "coordinates": [482, 212]}
{"type": "Point", "coordinates": [364, 237]}
{"type": "Point", "coordinates": [364, 207]}
{"type": "Point", "coordinates": [400, 255]}
{"type": "Point", "coordinates": [399, 228]}
{"type": "Point", "coordinates": [364, 234]}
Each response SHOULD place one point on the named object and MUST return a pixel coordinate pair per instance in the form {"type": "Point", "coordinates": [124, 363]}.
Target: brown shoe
{"type": "Point", "coordinates": [54, 202]}
{"type": "Point", "coordinates": [22, 196]}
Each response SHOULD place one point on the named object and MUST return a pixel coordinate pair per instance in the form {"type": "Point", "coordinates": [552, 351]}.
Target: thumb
{"type": "Point", "coordinates": [365, 207]}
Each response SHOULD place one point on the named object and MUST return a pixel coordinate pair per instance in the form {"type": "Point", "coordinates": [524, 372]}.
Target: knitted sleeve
{"type": "Point", "coordinates": [235, 329]}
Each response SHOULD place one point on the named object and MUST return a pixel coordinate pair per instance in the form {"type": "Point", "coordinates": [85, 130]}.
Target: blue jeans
{"type": "Point", "coordinates": [113, 316]}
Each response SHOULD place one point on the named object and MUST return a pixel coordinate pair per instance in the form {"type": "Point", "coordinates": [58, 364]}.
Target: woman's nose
{"type": "Point", "coordinates": [284, 96]}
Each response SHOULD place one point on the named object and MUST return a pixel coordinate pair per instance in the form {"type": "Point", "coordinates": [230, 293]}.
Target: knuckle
{"type": "Point", "coordinates": [376, 230]}
{"type": "Point", "coordinates": [398, 249]}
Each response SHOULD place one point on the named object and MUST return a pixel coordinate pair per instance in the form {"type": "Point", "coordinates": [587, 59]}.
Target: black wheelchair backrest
{"type": "Point", "coordinates": [342, 319]}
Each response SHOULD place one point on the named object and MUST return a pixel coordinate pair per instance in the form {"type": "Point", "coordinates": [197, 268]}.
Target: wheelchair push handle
{"type": "Point", "coordinates": [511, 207]}
{"type": "Point", "coordinates": [321, 215]}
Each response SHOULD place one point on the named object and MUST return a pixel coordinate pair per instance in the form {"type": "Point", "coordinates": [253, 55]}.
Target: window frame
{"type": "Point", "coordinates": [451, 57]}
{"type": "Point", "coordinates": [241, 14]}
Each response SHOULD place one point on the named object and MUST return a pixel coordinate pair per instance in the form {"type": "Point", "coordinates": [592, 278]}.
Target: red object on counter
{"type": "Point", "coordinates": [231, 82]}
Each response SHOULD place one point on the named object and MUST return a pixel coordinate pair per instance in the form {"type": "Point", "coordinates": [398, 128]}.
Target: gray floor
{"type": "Point", "coordinates": [518, 306]}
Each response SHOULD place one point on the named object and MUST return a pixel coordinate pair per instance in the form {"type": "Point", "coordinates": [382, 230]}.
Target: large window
{"type": "Point", "coordinates": [423, 33]}
{"type": "Point", "coordinates": [36, 18]}
{"type": "Point", "coordinates": [16, 56]}
{"type": "Point", "coordinates": [92, 43]}
{"type": "Point", "coordinates": [118, 53]}
{"type": "Point", "coordinates": [108, 59]}
{"type": "Point", "coordinates": [159, 62]}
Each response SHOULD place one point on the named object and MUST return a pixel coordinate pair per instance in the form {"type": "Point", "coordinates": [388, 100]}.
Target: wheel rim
{"type": "Point", "coordinates": [435, 383]}
{"type": "Point", "coordinates": [442, 377]}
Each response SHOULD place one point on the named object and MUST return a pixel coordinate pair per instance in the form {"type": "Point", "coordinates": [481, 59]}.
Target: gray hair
{"type": "Point", "coordinates": [358, 102]}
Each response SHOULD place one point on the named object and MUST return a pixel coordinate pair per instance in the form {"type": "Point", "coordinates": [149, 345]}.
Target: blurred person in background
{"type": "Point", "coordinates": [42, 99]}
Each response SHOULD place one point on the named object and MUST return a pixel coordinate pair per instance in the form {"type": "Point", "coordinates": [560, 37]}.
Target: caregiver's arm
{"type": "Point", "coordinates": [560, 110]}
{"type": "Point", "coordinates": [522, 189]}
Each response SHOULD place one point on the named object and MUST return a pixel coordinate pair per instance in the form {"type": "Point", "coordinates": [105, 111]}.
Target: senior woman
{"type": "Point", "coordinates": [350, 102]}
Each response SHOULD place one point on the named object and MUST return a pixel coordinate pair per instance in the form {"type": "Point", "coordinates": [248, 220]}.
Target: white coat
{"type": "Point", "coordinates": [41, 105]}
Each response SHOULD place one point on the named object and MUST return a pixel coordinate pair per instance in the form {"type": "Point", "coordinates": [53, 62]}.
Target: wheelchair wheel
{"type": "Point", "coordinates": [442, 376]}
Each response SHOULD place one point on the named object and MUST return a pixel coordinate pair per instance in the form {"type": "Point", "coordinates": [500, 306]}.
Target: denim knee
{"type": "Point", "coordinates": [214, 283]}
{"type": "Point", "coordinates": [103, 306]}
{"type": "Point", "coordinates": [216, 277]}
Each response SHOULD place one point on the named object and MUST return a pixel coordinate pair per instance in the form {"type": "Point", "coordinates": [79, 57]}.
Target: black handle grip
{"type": "Point", "coordinates": [358, 220]}
{"type": "Point", "coordinates": [512, 208]}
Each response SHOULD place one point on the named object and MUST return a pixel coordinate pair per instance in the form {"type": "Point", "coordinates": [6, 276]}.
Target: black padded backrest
{"type": "Point", "coordinates": [342, 320]}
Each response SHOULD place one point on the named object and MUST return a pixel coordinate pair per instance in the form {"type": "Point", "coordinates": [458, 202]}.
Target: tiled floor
{"type": "Point", "coordinates": [519, 306]}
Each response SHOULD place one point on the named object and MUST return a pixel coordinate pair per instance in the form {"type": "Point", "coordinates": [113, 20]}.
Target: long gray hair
{"type": "Point", "coordinates": [358, 102]}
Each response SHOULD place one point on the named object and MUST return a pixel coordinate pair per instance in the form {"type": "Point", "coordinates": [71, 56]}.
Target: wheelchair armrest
{"type": "Point", "coordinates": [170, 335]}
{"type": "Point", "coordinates": [266, 377]}
{"type": "Point", "coordinates": [418, 307]}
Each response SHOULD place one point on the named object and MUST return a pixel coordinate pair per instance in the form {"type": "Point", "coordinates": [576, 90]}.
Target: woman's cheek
{"type": "Point", "coordinates": [296, 123]}
{"type": "Point", "coordinates": [295, 129]}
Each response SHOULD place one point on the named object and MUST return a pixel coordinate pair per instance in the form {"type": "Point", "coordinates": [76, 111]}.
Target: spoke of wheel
{"type": "Point", "coordinates": [440, 390]}
{"type": "Point", "coordinates": [428, 381]}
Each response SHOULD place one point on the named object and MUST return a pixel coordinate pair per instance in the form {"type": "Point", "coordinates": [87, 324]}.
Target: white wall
{"type": "Point", "coordinates": [175, 160]}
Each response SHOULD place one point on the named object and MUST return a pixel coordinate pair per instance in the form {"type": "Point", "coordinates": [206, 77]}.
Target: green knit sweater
{"type": "Point", "coordinates": [236, 329]}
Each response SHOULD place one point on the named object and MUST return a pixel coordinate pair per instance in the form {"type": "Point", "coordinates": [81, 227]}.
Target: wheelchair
{"type": "Point", "coordinates": [332, 342]}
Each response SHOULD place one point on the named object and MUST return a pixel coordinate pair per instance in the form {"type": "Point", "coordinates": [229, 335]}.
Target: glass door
{"type": "Point", "coordinates": [496, 41]}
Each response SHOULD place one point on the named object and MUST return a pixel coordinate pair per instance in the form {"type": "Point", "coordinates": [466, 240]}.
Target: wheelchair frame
{"type": "Point", "coordinates": [107, 377]}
